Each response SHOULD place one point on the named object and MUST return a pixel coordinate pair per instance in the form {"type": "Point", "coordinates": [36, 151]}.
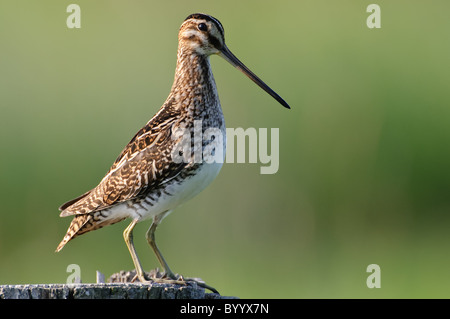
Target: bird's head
{"type": "Point", "coordinates": [203, 34]}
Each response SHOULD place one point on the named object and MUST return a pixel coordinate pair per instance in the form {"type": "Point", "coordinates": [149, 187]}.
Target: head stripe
{"type": "Point", "coordinates": [207, 18]}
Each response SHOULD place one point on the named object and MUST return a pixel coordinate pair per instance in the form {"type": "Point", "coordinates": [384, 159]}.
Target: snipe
{"type": "Point", "coordinates": [145, 182]}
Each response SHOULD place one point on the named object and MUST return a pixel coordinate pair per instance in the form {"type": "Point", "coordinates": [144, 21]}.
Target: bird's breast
{"type": "Point", "coordinates": [177, 191]}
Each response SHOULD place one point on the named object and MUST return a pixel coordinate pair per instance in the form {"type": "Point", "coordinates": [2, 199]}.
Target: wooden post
{"type": "Point", "coordinates": [117, 287]}
{"type": "Point", "coordinates": [106, 291]}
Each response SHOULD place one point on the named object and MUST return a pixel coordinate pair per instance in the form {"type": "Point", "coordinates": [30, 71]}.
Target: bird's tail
{"type": "Point", "coordinates": [73, 231]}
{"type": "Point", "coordinates": [85, 223]}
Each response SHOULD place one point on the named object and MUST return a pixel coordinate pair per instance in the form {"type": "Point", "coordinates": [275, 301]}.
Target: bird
{"type": "Point", "coordinates": [148, 180]}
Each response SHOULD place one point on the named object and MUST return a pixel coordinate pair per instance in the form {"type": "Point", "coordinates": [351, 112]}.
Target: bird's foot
{"type": "Point", "coordinates": [161, 277]}
{"type": "Point", "coordinates": [202, 284]}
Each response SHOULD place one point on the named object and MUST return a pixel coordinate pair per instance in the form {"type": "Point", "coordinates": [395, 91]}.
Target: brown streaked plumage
{"type": "Point", "coordinates": [145, 182]}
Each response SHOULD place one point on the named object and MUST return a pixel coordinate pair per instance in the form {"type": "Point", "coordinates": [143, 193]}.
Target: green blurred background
{"type": "Point", "coordinates": [364, 171]}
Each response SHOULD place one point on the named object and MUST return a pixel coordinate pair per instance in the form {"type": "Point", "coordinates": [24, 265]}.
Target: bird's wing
{"type": "Point", "coordinates": [144, 164]}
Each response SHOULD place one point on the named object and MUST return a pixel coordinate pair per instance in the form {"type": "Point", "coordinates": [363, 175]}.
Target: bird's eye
{"type": "Point", "coordinates": [202, 27]}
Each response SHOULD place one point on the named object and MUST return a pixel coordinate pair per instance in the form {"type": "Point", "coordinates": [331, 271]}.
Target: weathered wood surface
{"type": "Point", "coordinates": [118, 287]}
{"type": "Point", "coordinates": [106, 291]}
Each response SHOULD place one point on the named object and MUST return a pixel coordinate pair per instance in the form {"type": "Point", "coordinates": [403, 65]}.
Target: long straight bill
{"type": "Point", "coordinates": [230, 57]}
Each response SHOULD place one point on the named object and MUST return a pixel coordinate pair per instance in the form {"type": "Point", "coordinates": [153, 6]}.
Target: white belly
{"type": "Point", "coordinates": [175, 192]}
{"type": "Point", "coordinates": [181, 193]}
{"type": "Point", "coordinates": [173, 195]}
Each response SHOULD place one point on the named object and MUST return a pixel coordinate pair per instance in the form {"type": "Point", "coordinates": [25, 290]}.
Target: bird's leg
{"type": "Point", "coordinates": [167, 272]}
{"type": "Point", "coordinates": [128, 236]}
{"type": "Point", "coordinates": [150, 235]}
